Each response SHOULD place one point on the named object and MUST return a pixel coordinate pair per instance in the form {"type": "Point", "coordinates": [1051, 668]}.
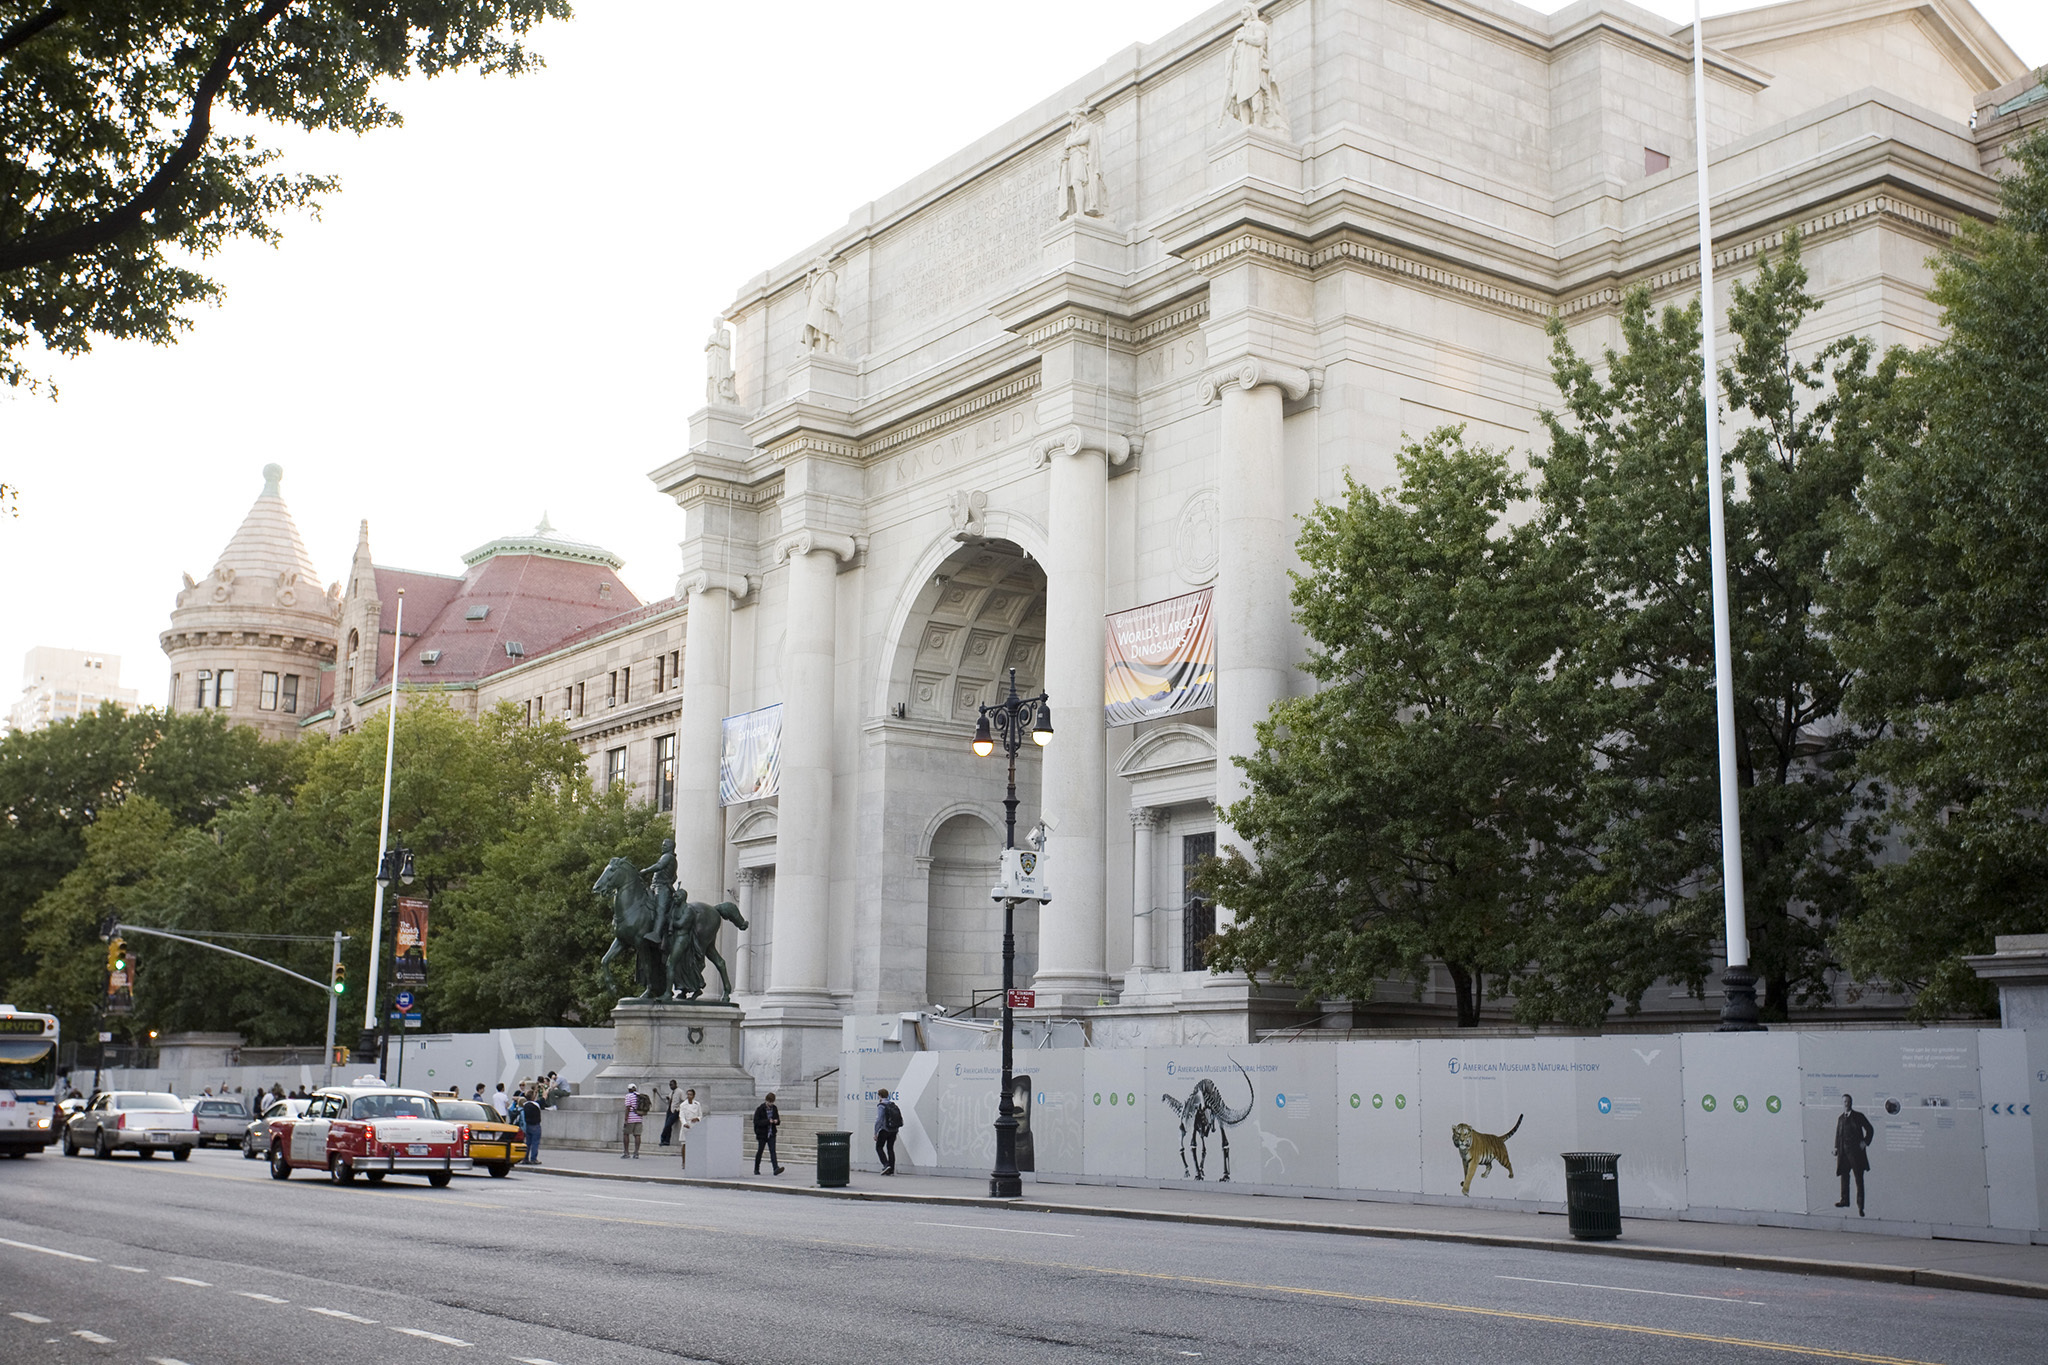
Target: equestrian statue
{"type": "Point", "coordinates": [670, 936]}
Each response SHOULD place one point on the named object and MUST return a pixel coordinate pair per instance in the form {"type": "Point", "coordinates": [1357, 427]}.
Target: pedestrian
{"type": "Point", "coordinates": [532, 1112]}
{"type": "Point", "coordinates": [689, 1114]}
{"type": "Point", "coordinates": [888, 1118]}
{"type": "Point", "coordinates": [518, 1115]}
{"type": "Point", "coordinates": [499, 1102]}
{"type": "Point", "coordinates": [478, 1097]}
{"type": "Point", "coordinates": [1853, 1136]}
{"type": "Point", "coordinates": [767, 1118]}
{"type": "Point", "coordinates": [668, 1104]}
{"type": "Point", "coordinates": [552, 1096]}
{"type": "Point", "coordinates": [636, 1107]}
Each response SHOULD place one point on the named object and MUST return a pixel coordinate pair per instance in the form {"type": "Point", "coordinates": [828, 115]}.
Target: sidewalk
{"type": "Point", "coordinates": [1987, 1267]}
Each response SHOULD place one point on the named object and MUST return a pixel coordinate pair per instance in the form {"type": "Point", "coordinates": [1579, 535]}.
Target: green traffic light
{"type": "Point", "coordinates": [120, 963]}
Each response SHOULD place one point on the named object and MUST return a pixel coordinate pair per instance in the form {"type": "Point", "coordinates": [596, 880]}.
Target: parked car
{"type": "Point", "coordinates": [221, 1119]}
{"type": "Point", "coordinates": [143, 1121]}
{"type": "Point", "coordinates": [369, 1128]}
{"type": "Point", "coordinates": [256, 1134]}
{"type": "Point", "coordinates": [494, 1144]}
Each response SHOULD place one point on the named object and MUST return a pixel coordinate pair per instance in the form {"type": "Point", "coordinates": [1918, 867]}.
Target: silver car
{"type": "Point", "coordinates": [256, 1137]}
{"type": "Point", "coordinates": [221, 1119]}
{"type": "Point", "coordinates": [143, 1121]}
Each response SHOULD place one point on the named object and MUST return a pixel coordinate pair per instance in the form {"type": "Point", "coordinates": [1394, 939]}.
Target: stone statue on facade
{"type": "Point", "coordinates": [1082, 189]}
{"type": "Point", "coordinates": [719, 385]}
{"type": "Point", "coordinates": [821, 310]}
{"type": "Point", "coordinates": [667, 965]}
{"type": "Point", "coordinates": [1252, 95]}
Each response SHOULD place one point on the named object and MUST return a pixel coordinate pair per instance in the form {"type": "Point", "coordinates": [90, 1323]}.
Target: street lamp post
{"type": "Point", "coordinates": [372, 1025]}
{"type": "Point", "coordinates": [1007, 723]}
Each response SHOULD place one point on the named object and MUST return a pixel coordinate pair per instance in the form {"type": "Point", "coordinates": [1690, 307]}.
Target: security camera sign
{"type": "Point", "coordinates": [1021, 877]}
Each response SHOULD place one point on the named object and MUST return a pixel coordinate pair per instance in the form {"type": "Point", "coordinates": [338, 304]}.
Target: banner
{"type": "Point", "coordinates": [1160, 660]}
{"type": "Point", "coordinates": [412, 940]}
{"type": "Point", "coordinates": [750, 757]}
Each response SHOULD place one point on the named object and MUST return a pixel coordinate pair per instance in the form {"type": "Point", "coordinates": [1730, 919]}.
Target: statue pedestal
{"type": "Point", "coordinates": [696, 1046]}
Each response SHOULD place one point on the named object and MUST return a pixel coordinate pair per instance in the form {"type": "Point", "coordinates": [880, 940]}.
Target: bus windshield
{"type": "Point", "coordinates": [28, 1064]}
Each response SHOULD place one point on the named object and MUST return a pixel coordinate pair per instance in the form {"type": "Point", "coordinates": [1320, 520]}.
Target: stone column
{"type": "Point", "coordinates": [743, 946]}
{"type": "Point", "coordinates": [707, 696]}
{"type": "Point", "coordinates": [803, 850]}
{"type": "Point", "coordinates": [1144, 820]}
{"type": "Point", "coordinates": [1072, 927]}
{"type": "Point", "coordinates": [1254, 628]}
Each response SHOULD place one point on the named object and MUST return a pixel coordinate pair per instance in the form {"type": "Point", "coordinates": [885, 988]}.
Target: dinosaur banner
{"type": "Point", "coordinates": [1159, 660]}
{"type": "Point", "coordinates": [750, 756]}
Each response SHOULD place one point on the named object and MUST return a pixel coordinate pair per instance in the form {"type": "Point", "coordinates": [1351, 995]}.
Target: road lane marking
{"type": "Point", "coordinates": [985, 1227]}
{"type": "Point", "coordinates": [48, 1251]}
{"type": "Point", "coordinates": [131, 1269]}
{"type": "Point", "coordinates": [87, 1334]}
{"type": "Point", "coordinates": [186, 1279]}
{"type": "Point", "coordinates": [1624, 1289]}
{"type": "Point", "coordinates": [260, 1298]}
{"type": "Point", "coordinates": [345, 1317]}
{"type": "Point", "coordinates": [433, 1336]}
{"type": "Point", "coordinates": [530, 1360]}
{"type": "Point", "coordinates": [165, 1360]}
{"type": "Point", "coordinates": [628, 1199]}
{"type": "Point", "coordinates": [28, 1317]}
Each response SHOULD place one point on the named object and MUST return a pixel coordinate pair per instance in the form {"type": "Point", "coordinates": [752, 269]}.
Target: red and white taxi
{"type": "Point", "coordinates": [371, 1129]}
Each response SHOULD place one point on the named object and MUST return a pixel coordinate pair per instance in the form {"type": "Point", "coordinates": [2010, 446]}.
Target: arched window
{"type": "Point", "coordinates": [355, 647]}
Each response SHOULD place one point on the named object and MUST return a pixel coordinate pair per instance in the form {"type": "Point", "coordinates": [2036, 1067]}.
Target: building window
{"type": "Point", "coordinates": [675, 668]}
{"type": "Point", "coordinates": [540, 708]}
{"type": "Point", "coordinates": [529, 713]}
{"type": "Point", "coordinates": [612, 696]}
{"type": "Point", "coordinates": [290, 695]}
{"type": "Point", "coordinates": [1198, 914]}
{"type": "Point", "coordinates": [355, 649]}
{"type": "Point", "coordinates": [665, 772]}
{"type": "Point", "coordinates": [224, 686]}
{"type": "Point", "coordinates": [1655, 161]}
{"type": "Point", "coordinates": [204, 698]}
{"type": "Point", "coordinates": [177, 685]}
{"type": "Point", "coordinates": [614, 768]}
{"type": "Point", "coordinates": [267, 701]}
{"type": "Point", "coordinates": [569, 700]}
{"type": "Point", "coordinates": [660, 671]}
{"type": "Point", "coordinates": [579, 699]}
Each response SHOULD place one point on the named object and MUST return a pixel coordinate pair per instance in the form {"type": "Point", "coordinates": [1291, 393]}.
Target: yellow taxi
{"type": "Point", "coordinates": [493, 1144]}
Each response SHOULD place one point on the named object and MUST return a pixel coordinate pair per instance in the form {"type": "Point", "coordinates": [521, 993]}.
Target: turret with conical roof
{"type": "Point", "coordinates": [254, 637]}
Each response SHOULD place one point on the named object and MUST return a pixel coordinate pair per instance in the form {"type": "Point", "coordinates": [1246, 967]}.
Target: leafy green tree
{"type": "Point", "coordinates": [1943, 581]}
{"type": "Point", "coordinates": [1396, 815]}
{"type": "Point", "coordinates": [113, 176]}
{"type": "Point", "coordinates": [57, 781]}
{"type": "Point", "coordinates": [1624, 493]}
{"type": "Point", "coordinates": [523, 936]}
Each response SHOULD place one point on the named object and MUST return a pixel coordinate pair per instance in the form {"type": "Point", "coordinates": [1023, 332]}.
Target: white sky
{"type": "Point", "coordinates": [504, 310]}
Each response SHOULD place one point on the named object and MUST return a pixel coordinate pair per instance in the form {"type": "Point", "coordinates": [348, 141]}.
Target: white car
{"type": "Point", "coordinates": [142, 1121]}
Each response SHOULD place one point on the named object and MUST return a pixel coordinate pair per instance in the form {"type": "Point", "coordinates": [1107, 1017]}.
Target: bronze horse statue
{"type": "Point", "coordinates": [676, 966]}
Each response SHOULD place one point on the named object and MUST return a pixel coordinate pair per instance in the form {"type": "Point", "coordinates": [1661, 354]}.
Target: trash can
{"type": "Point", "coordinates": [1592, 1190]}
{"type": "Point", "coordinates": [835, 1160]}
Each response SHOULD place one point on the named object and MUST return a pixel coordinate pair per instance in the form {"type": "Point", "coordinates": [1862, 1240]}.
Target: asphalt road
{"type": "Point", "coordinates": [211, 1262]}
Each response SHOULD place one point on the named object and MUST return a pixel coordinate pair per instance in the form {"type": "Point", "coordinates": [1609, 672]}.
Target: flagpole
{"type": "Point", "coordinates": [1738, 1010]}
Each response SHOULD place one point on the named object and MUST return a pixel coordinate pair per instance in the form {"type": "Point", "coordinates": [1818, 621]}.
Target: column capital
{"type": "Point", "coordinates": [1147, 817]}
{"type": "Point", "coordinates": [705, 580]}
{"type": "Point", "coordinates": [1073, 440]}
{"type": "Point", "coordinates": [1251, 372]}
{"type": "Point", "coordinates": [840, 547]}
{"type": "Point", "coordinates": [748, 876]}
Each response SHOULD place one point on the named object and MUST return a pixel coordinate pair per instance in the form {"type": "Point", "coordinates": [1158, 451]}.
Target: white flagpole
{"type": "Point", "coordinates": [1740, 1010]}
{"type": "Point", "coordinates": [384, 816]}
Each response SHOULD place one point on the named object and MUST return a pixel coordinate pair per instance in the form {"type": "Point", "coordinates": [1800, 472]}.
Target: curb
{"type": "Point", "coordinates": [1917, 1276]}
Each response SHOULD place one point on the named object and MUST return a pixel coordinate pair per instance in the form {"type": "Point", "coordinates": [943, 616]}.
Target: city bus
{"type": "Point", "coordinates": [28, 1081]}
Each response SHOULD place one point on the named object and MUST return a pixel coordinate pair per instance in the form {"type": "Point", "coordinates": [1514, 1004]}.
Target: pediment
{"type": "Point", "coordinates": [1169, 749]}
{"type": "Point", "coordinates": [756, 827]}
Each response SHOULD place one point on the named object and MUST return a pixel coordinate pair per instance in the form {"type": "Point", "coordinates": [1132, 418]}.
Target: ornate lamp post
{"type": "Point", "coordinates": [1007, 723]}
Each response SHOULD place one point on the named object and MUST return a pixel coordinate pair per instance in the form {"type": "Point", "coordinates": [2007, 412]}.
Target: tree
{"type": "Point", "coordinates": [1624, 493]}
{"type": "Point", "coordinates": [1397, 814]}
{"type": "Point", "coordinates": [57, 781]}
{"type": "Point", "coordinates": [113, 177]}
{"type": "Point", "coordinates": [1943, 577]}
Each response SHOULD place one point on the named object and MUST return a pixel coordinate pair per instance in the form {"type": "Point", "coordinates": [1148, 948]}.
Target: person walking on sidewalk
{"type": "Point", "coordinates": [636, 1109]}
{"type": "Point", "coordinates": [888, 1118]}
{"type": "Point", "coordinates": [668, 1104]}
{"type": "Point", "coordinates": [532, 1110]}
{"type": "Point", "coordinates": [767, 1118]}
{"type": "Point", "coordinates": [1853, 1136]}
{"type": "Point", "coordinates": [688, 1114]}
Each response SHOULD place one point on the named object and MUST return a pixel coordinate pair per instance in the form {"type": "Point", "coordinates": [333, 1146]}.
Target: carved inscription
{"type": "Point", "coordinates": [958, 253]}
{"type": "Point", "coordinates": [960, 447]}
{"type": "Point", "coordinates": [1177, 359]}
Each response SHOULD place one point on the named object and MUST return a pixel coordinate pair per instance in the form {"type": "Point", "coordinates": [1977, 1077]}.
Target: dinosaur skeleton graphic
{"type": "Point", "coordinates": [1203, 1112]}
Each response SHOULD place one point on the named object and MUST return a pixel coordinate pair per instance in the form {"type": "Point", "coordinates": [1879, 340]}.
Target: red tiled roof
{"type": "Point", "coordinates": [536, 601]}
{"type": "Point", "coordinates": [625, 618]}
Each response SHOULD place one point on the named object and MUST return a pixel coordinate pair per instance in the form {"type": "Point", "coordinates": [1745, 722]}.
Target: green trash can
{"type": "Point", "coordinates": [1592, 1191]}
{"type": "Point", "coordinates": [835, 1160]}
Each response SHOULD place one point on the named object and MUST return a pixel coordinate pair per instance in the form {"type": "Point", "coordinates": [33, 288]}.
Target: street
{"type": "Point", "coordinates": [211, 1261]}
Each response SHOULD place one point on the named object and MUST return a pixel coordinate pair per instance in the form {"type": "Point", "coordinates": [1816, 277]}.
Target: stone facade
{"type": "Point", "coordinates": [979, 416]}
{"type": "Point", "coordinates": [64, 684]}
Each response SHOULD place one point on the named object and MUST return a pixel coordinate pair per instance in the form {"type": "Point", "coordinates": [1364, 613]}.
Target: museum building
{"type": "Point", "coordinates": [1064, 395]}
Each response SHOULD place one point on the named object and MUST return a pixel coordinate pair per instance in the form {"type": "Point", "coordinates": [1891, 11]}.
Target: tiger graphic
{"type": "Point", "coordinates": [1481, 1150]}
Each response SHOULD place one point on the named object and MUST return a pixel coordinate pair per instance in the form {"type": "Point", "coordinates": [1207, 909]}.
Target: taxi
{"type": "Point", "coordinates": [494, 1144]}
{"type": "Point", "coordinates": [371, 1129]}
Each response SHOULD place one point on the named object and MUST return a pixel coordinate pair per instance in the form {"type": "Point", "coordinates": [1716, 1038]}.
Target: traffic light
{"type": "Point", "coordinates": [340, 979]}
{"type": "Point", "coordinates": [117, 956]}
{"type": "Point", "coordinates": [340, 1056]}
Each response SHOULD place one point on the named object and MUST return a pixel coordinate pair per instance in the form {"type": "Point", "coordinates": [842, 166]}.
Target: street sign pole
{"type": "Point", "coordinates": [332, 1000]}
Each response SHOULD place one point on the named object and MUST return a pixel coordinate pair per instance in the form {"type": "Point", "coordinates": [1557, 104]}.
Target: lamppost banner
{"type": "Point", "coordinates": [750, 756]}
{"type": "Point", "coordinates": [1159, 660]}
{"type": "Point", "coordinates": [412, 941]}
